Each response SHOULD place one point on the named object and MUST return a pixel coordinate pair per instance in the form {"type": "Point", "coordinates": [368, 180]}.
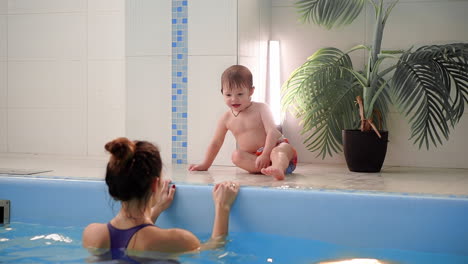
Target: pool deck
{"type": "Point", "coordinates": [336, 177]}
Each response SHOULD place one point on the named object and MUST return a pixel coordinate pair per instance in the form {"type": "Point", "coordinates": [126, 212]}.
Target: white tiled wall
{"type": "Point", "coordinates": [425, 23]}
{"type": "Point", "coordinates": [3, 35]}
{"type": "Point", "coordinates": [254, 18]}
{"type": "Point", "coordinates": [106, 35]}
{"type": "Point", "coordinates": [212, 28]}
{"type": "Point", "coordinates": [206, 105]}
{"type": "Point", "coordinates": [149, 101]}
{"type": "Point", "coordinates": [412, 22]}
{"type": "Point", "coordinates": [148, 73]}
{"type": "Point", "coordinates": [3, 75]}
{"type": "Point", "coordinates": [212, 47]}
{"type": "Point", "coordinates": [106, 103]}
{"type": "Point", "coordinates": [49, 84]}
{"type": "Point", "coordinates": [3, 7]}
{"type": "Point", "coordinates": [105, 73]}
{"type": "Point", "coordinates": [47, 36]}
{"type": "Point", "coordinates": [148, 27]}
{"type": "Point", "coordinates": [45, 6]}
{"type": "Point", "coordinates": [66, 76]}
{"type": "Point", "coordinates": [3, 130]}
{"type": "Point", "coordinates": [46, 130]}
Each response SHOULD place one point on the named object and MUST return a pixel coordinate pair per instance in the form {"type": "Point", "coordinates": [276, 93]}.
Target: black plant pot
{"type": "Point", "coordinates": [364, 151]}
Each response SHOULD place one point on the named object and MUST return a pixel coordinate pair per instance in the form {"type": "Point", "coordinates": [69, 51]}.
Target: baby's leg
{"type": "Point", "coordinates": [280, 157]}
{"type": "Point", "coordinates": [245, 160]}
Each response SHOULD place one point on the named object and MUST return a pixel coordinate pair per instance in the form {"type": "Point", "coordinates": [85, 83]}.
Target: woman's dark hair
{"type": "Point", "coordinates": [131, 169]}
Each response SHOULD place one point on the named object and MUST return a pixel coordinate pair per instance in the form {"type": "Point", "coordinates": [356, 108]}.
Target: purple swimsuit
{"type": "Point", "coordinates": [120, 238]}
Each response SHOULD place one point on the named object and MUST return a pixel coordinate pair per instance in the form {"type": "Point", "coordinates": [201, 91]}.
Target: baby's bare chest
{"type": "Point", "coordinates": [245, 124]}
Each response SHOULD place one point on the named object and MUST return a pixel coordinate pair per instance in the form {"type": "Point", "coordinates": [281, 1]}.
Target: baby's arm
{"type": "Point", "coordinates": [213, 148]}
{"type": "Point", "coordinates": [272, 136]}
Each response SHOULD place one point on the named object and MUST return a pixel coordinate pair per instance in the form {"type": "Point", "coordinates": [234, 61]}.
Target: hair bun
{"type": "Point", "coordinates": [121, 148]}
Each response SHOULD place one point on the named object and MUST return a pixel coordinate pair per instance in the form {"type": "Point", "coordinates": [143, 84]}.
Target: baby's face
{"type": "Point", "coordinates": [237, 98]}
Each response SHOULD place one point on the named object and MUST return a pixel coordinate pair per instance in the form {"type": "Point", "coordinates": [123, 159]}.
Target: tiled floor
{"type": "Point", "coordinates": [426, 181]}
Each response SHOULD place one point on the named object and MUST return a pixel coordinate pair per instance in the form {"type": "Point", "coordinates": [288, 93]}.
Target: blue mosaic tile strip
{"type": "Point", "coordinates": [179, 81]}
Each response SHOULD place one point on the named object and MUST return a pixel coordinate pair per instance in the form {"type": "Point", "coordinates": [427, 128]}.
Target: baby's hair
{"type": "Point", "coordinates": [236, 76]}
{"type": "Point", "coordinates": [131, 169]}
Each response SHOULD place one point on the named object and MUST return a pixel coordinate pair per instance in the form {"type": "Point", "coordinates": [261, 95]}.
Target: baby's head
{"type": "Point", "coordinates": [236, 77]}
{"type": "Point", "coordinates": [132, 168]}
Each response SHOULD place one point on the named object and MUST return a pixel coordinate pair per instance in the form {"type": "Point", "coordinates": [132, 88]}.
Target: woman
{"type": "Point", "coordinates": [133, 177]}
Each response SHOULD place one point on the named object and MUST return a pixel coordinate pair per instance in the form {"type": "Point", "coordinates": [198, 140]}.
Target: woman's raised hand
{"type": "Point", "coordinates": [163, 195]}
{"type": "Point", "coordinates": [225, 193]}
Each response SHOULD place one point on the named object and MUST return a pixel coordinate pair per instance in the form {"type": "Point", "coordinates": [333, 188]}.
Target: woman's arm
{"type": "Point", "coordinates": [224, 195]}
{"type": "Point", "coordinates": [163, 195]}
{"type": "Point", "coordinates": [179, 240]}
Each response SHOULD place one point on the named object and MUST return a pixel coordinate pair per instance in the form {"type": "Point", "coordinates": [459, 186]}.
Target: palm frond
{"type": "Point", "coordinates": [431, 86]}
{"type": "Point", "coordinates": [330, 13]}
{"type": "Point", "coordinates": [322, 92]}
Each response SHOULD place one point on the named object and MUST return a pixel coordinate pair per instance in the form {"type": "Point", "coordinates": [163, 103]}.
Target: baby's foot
{"type": "Point", "coordinates": [275, 172]}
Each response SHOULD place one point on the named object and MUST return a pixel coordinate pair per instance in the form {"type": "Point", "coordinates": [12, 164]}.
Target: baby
{"type": "Point", "coordinates": [261, 147]}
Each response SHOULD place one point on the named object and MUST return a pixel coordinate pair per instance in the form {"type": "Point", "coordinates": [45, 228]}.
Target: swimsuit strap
{"type": "Point", "coordinates": [120, 238]}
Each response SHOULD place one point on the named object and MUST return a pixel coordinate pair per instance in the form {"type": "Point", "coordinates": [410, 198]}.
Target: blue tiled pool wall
{"type": "Point", "coordinates": [423, 223]}
{"type": "Point", "coordinates": [179, 81]}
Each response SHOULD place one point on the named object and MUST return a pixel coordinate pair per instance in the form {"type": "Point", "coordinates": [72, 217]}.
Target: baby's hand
{"type": "Point", "coordinates": [197, 167]}
{"type": "Point", "coordinates": [262, 161]}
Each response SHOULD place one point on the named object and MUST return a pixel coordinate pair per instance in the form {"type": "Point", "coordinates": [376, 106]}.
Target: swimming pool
{"type": "Point", "coordinates": [361, 221]}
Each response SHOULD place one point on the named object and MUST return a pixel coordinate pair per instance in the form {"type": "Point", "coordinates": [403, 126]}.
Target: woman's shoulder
{"type": "Point", "coordinates": [94, 228]}
{"type": "Point", "coordinates": [171, 240]}
{"type": "Point", "coordinates": [96, 235]}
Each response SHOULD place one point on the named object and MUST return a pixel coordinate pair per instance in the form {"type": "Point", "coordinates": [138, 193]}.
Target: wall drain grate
{"type": "Point", "coordinates": [4, 212]}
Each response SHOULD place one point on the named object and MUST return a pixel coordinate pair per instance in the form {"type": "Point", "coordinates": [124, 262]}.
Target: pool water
{"type": "Point", "coordinates": [32, 243]}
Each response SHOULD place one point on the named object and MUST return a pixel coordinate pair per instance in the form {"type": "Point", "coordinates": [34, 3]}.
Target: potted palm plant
{"type": "Point", "coordinates": [341, 107]}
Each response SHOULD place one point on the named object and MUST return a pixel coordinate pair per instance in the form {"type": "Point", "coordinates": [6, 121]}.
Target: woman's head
{"type": "Point", "coordinates": [132, 168]}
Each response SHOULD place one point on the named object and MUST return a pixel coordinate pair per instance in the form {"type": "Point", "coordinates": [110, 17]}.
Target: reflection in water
{"type": "Point", "coordinates": [355, 261]}
{"type": "Point", "coordinates": [54, 237]}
